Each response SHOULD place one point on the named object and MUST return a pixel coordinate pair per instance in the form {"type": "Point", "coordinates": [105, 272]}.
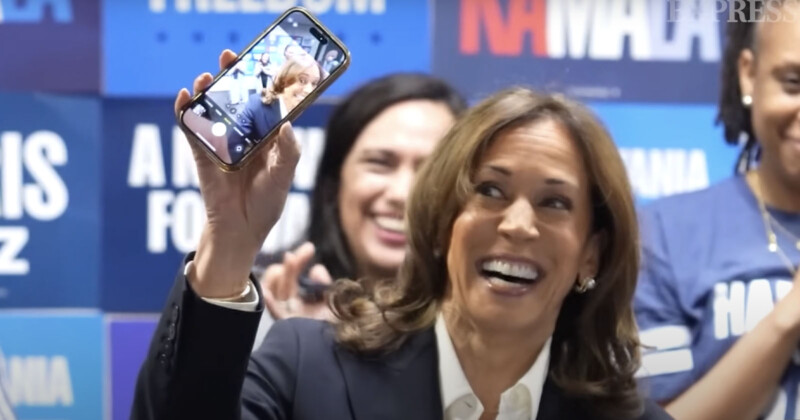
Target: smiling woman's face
{"type": "Point", "coordinates": [376, 179]}
{"type": "Point", "coordinates": [304, 83]}
{"type": "Point", "coordinates": [524, 236]}
{"type": "Point", "coordinates": [771, 76]}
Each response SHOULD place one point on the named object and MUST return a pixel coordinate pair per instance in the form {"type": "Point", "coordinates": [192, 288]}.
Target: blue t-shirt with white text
{"type": "Point", "coordinates": [707, 277]}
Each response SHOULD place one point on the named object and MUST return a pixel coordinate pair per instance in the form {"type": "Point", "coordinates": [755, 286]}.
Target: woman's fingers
{"type": "Point", "coordinates": [226, 58]}
{"type": "Point", "coordinates": [275, 306]}
{"type": "Point", "coordinates": [272, 280]}
{"type": "Point", "coordinates": [304, 253]}
{"type": "Point", "coordinates": [201, 82]}
{"type": "Point", "coordinates": [319, 274]}
{"type": "Point", "coordinates": [181, 100]}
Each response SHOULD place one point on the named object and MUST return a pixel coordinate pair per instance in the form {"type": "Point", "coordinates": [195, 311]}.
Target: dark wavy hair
{"type": "Point", "coordinates": [595, 344]}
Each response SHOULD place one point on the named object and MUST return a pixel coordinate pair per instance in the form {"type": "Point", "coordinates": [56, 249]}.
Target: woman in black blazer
{"type": "Point", "coordinates": [514, 301]}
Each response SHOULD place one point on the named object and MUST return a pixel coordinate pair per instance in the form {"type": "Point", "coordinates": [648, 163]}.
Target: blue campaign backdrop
{"type": "Point", "coordinates": [50, 45]}
{"type": "Point", "coordinates": [129, 338]}
{"type": "Point", "coordinates": [51, 366]}
{"type": "Point", "coordinates": [590, 50]}
{"type": "Point", "coordinates": [153, 211]}
{"type": "Point", "coordinates": [68, 241]}
{"type": "Point", "coordinates": [668, 149]}
{"type": "Point", "coordinates": [153, 48]}
{"type": "Point", "coordinates": [50, 201]}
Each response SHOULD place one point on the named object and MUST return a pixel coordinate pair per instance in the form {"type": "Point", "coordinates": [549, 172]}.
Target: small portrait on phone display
{"type": "Point", "coordinates": [297, 78]}
{"type": "Point", "coordinates": [268, 81]}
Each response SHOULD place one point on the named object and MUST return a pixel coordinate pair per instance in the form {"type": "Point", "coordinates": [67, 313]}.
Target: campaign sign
{"type": "Point", "coordinates": [129, 338]}
{"type": "Point", "coordinates": [153, 48]}
{"type": "Point", "coordinates": [49, 201]}
{"type": "Point", "coordinates": [618, 50]}
{"type": "Point", "coordinates": [51, 365]}
{"type": "Point", "coordinates": [50, 45]}
{"type": "Point", "coordinates": [153, 210]}
{"type": "Point", "coordinates": [668, 149]}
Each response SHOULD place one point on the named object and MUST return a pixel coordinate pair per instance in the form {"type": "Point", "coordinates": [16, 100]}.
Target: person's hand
{"type": "Point", "coordinates": [280, 286]}
{"type": "Point", "coordinates": [241, 206]}
{"type": "Point", "coordinates": [786, 312]}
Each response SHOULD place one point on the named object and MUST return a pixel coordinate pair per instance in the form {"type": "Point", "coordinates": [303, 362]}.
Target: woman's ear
{"type": "Point", "coordinates": [746, 66]}
{"type": "Point", "coordinates": [590, 260]}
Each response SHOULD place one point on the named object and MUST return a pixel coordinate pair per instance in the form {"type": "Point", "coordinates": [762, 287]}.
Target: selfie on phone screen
{"type": "Point", "coordinates": [255, 94]}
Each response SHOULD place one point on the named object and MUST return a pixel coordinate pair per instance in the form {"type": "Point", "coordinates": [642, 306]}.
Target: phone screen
{"type": "Point", "coordinates": [254, 96]}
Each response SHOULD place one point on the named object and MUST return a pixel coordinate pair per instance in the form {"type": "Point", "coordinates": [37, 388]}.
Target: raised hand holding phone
{"type": "Point", "coordinates": [241, 206]}
{"type": "Point", "coordinates": [240, 111]}
{"type": "Point", "coordinates": [248, 136]}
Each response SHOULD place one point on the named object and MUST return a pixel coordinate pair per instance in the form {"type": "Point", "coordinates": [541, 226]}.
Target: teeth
{"type": "Point", "coordinates": [513, 269]}
{"type": "Point", "coordinates": [391, 223]}
{"type": "Point", "coordinates": [500, 284]}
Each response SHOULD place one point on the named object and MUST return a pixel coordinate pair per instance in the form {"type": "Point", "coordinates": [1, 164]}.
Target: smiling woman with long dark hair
{"type": "Point", "coordinates": [514, 300]}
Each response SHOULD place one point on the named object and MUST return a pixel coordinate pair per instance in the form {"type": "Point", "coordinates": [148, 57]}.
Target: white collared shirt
{"type": "Point", "coordinates": [282, 106]}
{"type": "Point", "coordinates": [520, 402]}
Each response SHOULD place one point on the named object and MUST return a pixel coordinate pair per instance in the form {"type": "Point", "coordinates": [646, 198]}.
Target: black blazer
{"type": "Point", "coordinates": [256, 121]}
{"type": "Point", "coordinates": [199, 367]}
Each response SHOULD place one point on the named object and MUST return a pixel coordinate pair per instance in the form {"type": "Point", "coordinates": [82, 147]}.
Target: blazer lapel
{"type": "Point", "coordinates": [273, 114]}
{"type": "Point", "coordinates": [556, 405]}
{"type": "Point", "coordinates": [551, 405]}
{"type": "Point", "coordinates": [403, 385]}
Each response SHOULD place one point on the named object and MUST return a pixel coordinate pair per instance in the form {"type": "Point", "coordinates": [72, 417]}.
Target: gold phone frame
{"type": "Point", "coordinates": [294, 113]}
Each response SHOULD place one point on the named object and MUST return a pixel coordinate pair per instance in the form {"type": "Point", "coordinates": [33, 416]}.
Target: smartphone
{"type": "Point", "coordinates": [271, 82]}
{"type": "Point", "coordinates": [311, 291]}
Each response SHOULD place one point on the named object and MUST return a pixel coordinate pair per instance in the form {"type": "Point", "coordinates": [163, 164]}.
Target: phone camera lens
{"type": "Point", "coordinates": [317, 35]}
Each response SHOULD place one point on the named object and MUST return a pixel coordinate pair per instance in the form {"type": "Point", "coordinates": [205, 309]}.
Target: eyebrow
{"type": "Point", "coordinates": [501, 170]}
{"type": "Point", "coordinates": [378, 151]}
{"type": "Point", "coordinates": [556, 181]}
{"type": "Point", "coordinates": [787, 66]}
{"type": "Point", "coordinates": [549, 181]}
{"type": "Point", "coordinates": [375, 150]}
